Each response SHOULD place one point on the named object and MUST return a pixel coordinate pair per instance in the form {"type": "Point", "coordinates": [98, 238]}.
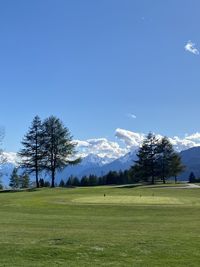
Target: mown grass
{"type": "Point", "coordinates": [133, 226]}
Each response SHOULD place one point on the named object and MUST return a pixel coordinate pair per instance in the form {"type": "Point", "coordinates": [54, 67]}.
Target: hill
{"type": "Point", "coordinates": [191, 160]}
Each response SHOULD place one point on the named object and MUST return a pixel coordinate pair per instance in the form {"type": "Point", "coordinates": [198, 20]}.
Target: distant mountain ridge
{"type": "Point", "coordinates": [94, 164]}
{"type": "Point", "coordinates": [191, 159]}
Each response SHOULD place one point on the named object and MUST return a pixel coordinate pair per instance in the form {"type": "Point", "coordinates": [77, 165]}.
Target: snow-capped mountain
{"type": "Point", "coordinates": [96, 160]}
{"type": "Point", "coordinates": [90, 164]}
{"type": "Point", "coordinates": [94, 164]}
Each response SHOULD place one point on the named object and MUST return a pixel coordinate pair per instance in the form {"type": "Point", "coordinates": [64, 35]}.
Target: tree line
{"type": "Point", "coordinates": [112, 177]}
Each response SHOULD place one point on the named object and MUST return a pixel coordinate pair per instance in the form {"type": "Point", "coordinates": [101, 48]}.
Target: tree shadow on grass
{"type": "Point", "coordinates": [18, 190]}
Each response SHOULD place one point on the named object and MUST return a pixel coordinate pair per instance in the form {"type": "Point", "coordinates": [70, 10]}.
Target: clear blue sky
{"type": "Point", "coordinates": [93, 62]}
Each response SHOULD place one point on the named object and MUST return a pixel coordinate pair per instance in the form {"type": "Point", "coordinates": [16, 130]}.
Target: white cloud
{"type": "Point", "coordinates": [134, 140]}
{"type": "Point", "coordinates": [195, 136]}
{"type": "Point", "coordinates": [11, 157]}
{"type": "Point", "coordinates": [190, 47]}
{"type": "Point", "coordinates": [101, 147]}
{"type": "Point", "coordinates": [132, 116]}
{"type": "Point", "coordinates": [131, 139]}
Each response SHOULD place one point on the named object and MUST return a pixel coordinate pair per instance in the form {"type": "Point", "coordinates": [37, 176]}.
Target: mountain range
{"type": "Point", "coordinates": [94, 164]}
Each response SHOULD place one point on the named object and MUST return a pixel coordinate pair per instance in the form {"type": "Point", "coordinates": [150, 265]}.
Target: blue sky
{"type": "Point", "coordinates": [93, 63]}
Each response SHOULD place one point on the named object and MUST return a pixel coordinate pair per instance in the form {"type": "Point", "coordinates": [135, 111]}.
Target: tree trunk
{"type": "Point", "coordinates": [37, 180]}
{"type": "Point", "coordinates": [53, 178]}
{"type": "Point", "coordinates": [164, 182]}
{"type": "Point", "coordinates": [36, 162]}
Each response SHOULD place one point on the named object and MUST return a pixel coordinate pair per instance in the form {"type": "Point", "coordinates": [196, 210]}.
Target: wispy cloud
{"type": "Point", "coordinates": [132, 116]}
{"type": "Point", "coordinates": [190, 47]}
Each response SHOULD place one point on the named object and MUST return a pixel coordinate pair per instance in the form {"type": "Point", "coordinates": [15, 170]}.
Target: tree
{"type": "Point", "coordinates": [58, 146]}
{"type": "Point", "coordinates": [92, 180]}
{"type": "Point", "coordinates": [24, 181]}
{"type": "Point", "coordinates": [84, 181]}
{"type": "Point", "coordinates": [111, 177]}
{"type": "Point", "coordinates": [76, 181]}
{"type": "Point", "coordinates": [70, 181]}
{"type": "Point", "coordinates": [176, 166]}
{"type": "Point", "coordinates": [147, 163]}
{"type": "Point", "coordinates": [41, 182]}
{"type": "Point", "coordinates": [62, 183]}
{"type": "Point", "coordinates": [1, 185]}
{"type": "Point", "coordinates": [165, 156]}
{"type": "Point", "coordinates": [47, 184]}
{"type": "Point", "coordinates": [192, 178]}
{"type": "Point", "coordinates": [31, 155]}
{"type": "Point", "coordinates": [14, 179]}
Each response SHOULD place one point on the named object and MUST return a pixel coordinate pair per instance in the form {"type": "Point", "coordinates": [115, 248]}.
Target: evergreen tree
{"type": "Point", "coordinates": [58, 147]}
{"type": "Point", "coordinates": [165, 156]}
{"type": "Point", "coordinates": [176, 166]}
{"type": "Point", "coordinates": [92, 180]}
{"type": "Point", "coordinates": [192, 178]}
{"type": "Point", "coordinates": [126, 177]}
{"type": "Point", "coordinates": [84, 181]}
{"type": "Point", "coordinates": [47, 184]}
{"type": "Point", "coordinates": [41, 182]}
{"type": "Point", "coordinates": [70, 181]}
{"type": "Point", "coordinates": [62, 183]}
{"type": "Point", "coordinates": [120, 179]}
{"type": "Point", "coordinates": [76, 181]}
{"type": "Point", "coordinates": [1, 185]}
{"type": "Point", "coordinates": [24, 181]}
{"type": "Point", "coordinates": [31, 155]}
{"type": "Point", "coordinates": [14, 179]}
{"type": "Point", "coordinates": [147, 163]}
{"type": "Point", "coordinates": [112, 177]}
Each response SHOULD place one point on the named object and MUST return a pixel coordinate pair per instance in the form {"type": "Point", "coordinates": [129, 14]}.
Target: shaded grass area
{"type": "Point", "coordinates": [137, 226]}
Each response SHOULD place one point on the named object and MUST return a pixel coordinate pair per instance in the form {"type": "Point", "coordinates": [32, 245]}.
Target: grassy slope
{"type": "Point", "coordinates": [81, 227]}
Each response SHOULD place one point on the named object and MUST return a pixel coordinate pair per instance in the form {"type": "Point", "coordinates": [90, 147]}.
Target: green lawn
{"type": "Point", "coordinates": [133, 226]}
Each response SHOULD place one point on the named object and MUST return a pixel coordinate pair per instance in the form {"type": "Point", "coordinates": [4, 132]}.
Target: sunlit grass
{"type": "Point", "coordinates": [129, 200]}
{"type": "Point", "coordinates": [132, 226]}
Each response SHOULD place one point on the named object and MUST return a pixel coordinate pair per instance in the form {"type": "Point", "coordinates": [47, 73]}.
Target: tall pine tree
{"type": "Point", "coordinates": [14, 179]}
{"type": "Point", "coordinates": [165, 156]}
{"type": "Point", "coordinates": [146, 165]}
{"type": "Point", "coordinates": [176, 166]}
{"type": "Point", "coordinates": [24, 180]}
{"type": "Point", "coordinates": [58, 146]}
{"type": "Point", "coordinates": [31, 155]}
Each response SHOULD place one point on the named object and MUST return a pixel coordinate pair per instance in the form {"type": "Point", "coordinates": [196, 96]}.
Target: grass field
{"type": "Point", "coordinates": [131, 226]}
